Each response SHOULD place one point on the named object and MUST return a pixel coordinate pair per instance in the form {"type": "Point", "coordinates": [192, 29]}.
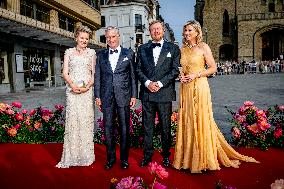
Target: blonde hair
{"type": "Point", "coordinates": [196, 25]}
{"type": "Point", "coordinates": [83, 29]}
{"type": "Point", "coordinates": [155, 22]}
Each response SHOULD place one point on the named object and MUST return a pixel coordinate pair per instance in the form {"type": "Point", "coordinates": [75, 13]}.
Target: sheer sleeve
{"type": "Point", "coordinates": [93, 59]}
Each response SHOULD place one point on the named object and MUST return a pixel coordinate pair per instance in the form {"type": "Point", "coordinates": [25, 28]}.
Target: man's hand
{"type": "Point", "coordinates": [132, 102]}
{"type": "Point", "coordinates": [153, 87]}
{"type": "Point", "coordinates": [99, 103]}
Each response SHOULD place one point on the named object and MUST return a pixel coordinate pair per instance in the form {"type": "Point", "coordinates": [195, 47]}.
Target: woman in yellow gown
{"type": "Point", "coordinates": [200, 145]}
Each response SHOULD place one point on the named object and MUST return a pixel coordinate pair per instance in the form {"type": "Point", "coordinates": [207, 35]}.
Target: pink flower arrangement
{"type": "Point", "coordinates": [138, 183]}
{"type": "Point", "coordinates": [17, 104]}
{"type": "Point", "coordinates": [158, 170]}
{"type": "Point", "coordinates": [278, 184]}
{"type": "Point", "coordinates": [256, 127]}
{"type": "Point", "coordinates": [35, 126]}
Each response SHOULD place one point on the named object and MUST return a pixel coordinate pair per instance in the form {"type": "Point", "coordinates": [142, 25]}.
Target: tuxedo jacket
{"type": "Point", "coordinates": [118, 85]}
{"type": "Point", "coordinates": [166, 71]}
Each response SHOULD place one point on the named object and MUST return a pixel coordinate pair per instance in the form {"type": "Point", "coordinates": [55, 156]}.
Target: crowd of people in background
{"type": "Point", "coordinates": [250, 67]}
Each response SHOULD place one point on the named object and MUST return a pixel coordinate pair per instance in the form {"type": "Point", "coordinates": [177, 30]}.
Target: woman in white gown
{"type": "Point", "coordinates": [78, 72]}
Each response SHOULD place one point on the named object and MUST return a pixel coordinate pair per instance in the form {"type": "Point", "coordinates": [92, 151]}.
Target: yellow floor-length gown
{"type": "Point", "coordinates": [200, 145]}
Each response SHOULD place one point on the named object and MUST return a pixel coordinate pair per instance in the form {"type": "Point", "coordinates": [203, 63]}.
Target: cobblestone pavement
{"type": "Point", "coordinates": [227, 90]}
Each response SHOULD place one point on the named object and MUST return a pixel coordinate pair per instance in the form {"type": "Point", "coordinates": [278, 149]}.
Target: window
{"type": "Point", "coordinates": [113, 20]}
{"type": "Point", "coordinates": [125, 20]}
{"type": "Point", "coordinates": [139, 39]}
{"type": "Point", "coordinates": [102, 2]}
{"type": "Point", "coordinates": [271, 7]}
{"type": "Point", "coordinates": [3, 4]}
{"type": "Point", "coordinates": [103, 39]}
{"type": "Point", "coordinates": [93, 3]}
{"type": "Point", "coordinates": [35, 11]}
{"type": "Point", "coordinates": [103, 21]}
{"type": "Point", "coordinates": [42, 14]}
{"type": "Point", "coordinates": [66, 23]}
{"type": "Point", "coordinates": [138, 22]}
{"type": "Point", "coordinates": [26, 9]}
{"type": "Point", "coordinates": [226, 24]}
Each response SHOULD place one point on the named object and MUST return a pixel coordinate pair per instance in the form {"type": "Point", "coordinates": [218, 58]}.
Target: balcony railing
{"type": "Point", "coordinates": [139, 28]}
{"type": "Point", "coordinates": [261, 16]}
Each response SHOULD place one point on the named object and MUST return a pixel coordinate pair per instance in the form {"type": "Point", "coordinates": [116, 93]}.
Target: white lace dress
{"type": "Point", "coordinates": [78, 148]}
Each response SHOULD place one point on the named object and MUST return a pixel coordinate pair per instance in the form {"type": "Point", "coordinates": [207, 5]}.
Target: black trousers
{"type": "Point", "coordinates": [109, 115]}
{"type": "Point", "coordinates": [164, 110]}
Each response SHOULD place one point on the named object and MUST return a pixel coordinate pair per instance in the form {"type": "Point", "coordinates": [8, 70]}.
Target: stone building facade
{"type": "Point", "coordinates": [34, 35]}
{"type": "Point", "coordinates": [242, 29]}
{"type": "Point", "coordinates": [132, 17]}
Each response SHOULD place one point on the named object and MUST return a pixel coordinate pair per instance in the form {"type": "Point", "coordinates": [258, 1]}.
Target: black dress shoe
{"type": "Point", "coordinates": [124, 164]}
{"type": "Point", "coordinates": [166, 162]}
{"type": "Point", "coordinates": [109, 165]}
{"type": "Point", "coordinates": [145, 162]}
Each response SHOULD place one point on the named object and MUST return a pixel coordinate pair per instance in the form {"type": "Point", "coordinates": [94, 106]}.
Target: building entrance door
{"type": "Point", "coordinates": [272, 44]}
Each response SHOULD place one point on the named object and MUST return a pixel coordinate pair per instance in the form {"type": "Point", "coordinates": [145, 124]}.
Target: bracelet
{"type": "Point", "coordinates": [199, 74]}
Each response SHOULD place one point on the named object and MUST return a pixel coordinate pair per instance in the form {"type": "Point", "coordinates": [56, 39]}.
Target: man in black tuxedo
{"type": "Point", "coordinates": [157, 69]}
{"type": "Point", "coordinates": [115, 93]}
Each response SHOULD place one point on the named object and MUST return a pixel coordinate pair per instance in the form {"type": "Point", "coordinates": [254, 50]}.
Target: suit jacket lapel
{"type": "Point", "coordinates": [149, 53]}
{"type": "Point", "coordinates": [106, 60]}
{"type": "Point", "coordinates": [163, 54]}
{"type": "Point", "coordinates": [120, 58]}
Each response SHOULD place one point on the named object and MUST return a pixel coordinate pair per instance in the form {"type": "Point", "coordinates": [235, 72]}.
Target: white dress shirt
{"type": "Point", "coordinates": [113, 58]}
{"type": "Point", "coordinates": [156, 54]}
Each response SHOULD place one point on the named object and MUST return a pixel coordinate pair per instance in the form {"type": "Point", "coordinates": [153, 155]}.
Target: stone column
{"type": "Point", "coordinates": [57, 67]}
{"type": "Point", "coordinates": [14, 5]}
{"type": "Point", "coordinates": [18, 83]}
{"type": "Point", "coordinates": [54, 19]}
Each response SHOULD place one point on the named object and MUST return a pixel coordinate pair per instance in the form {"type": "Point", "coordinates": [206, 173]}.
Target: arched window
{"type": "Point", "coordinates": [226, 23]}
{"type": "Point", "coordinates": [271, 6]}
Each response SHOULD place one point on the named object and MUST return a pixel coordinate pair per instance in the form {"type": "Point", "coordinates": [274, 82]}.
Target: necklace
{"type": "Point", "coordinates": [191, 46]}
{"type": "Point", "coordinates": [80, 50]}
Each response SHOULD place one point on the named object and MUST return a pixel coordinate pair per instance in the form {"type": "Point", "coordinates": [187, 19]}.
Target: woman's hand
{"type": "Point", "coordinates": [75, 89]}
{"type": "Point", "coordinates": [191, 77]}
{"type": "Point", "coordinates": [183, 78]}
{"type": "Point", "coordinates": [83, 90]}
{"type": "Point", "coordinates": [187, 78]}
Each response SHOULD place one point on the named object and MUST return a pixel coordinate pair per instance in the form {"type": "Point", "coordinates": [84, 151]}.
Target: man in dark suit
{"type": "Point", "coordinates": [115, 93]}
{"type": "Point", "coordinates": [157, 69]}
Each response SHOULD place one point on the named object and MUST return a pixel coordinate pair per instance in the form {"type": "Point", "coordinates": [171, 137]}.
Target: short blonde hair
{"type": "Point", "coordinates": [83, 29]}
{"type": "Point", "coordinates": [155, 22]}
{"type": "Point", "coordinates": [196, 25]}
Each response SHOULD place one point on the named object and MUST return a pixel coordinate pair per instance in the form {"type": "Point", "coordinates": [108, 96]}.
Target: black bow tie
{"type": "Point", "coordinates": [153, 45]}
{"type": "Point", "coordinates": [113, 51]}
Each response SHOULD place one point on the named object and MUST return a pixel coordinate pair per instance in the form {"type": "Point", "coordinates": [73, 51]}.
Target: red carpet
{"type": "Point", "coordinates": [32, 166]}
